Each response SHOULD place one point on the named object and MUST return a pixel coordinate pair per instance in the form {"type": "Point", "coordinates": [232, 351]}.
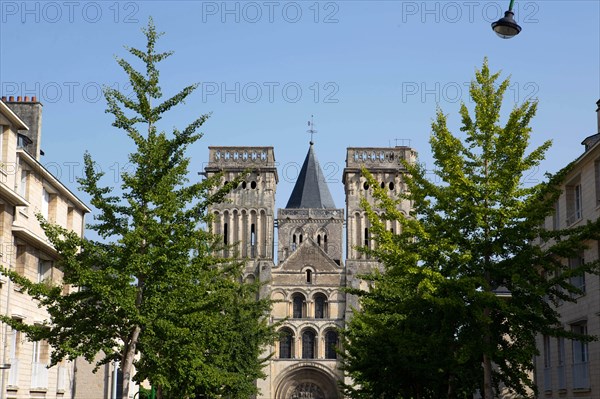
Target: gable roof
{"type": "Point", "coordinates": [310, 190]}
{"type": "Point", "coordinates": [309, 252]}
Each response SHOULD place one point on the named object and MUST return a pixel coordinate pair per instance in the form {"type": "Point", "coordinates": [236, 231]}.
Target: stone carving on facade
{"type": "Point", "coordinates": [306, 390]}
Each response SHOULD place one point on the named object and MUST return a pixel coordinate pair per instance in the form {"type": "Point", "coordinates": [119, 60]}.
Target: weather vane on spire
{"type": "Point", "coordinates": [311, 129]}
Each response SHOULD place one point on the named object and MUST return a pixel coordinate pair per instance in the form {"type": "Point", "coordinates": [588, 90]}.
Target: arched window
{"type": "Point", "coordinates": [309, 276]}
{"type": "Point", "coordinates": [252, 241]}
{"type": "Point", "coordinates": [325, 242]}
{"type": "Point", "coordinates": [298, 304]}
{"type": "Point", "coordinates": [308, 344]}
{"type": "Point", "coordinates": [293, 242]}
{"type": "Point", "coordinates": [331, 343]}
{"type": "Point", "coordinates": [319, 240]}
{"type": "Point", "coordinates": [286, 343]}
{"type": "Point", "coordinates": [320, 306]}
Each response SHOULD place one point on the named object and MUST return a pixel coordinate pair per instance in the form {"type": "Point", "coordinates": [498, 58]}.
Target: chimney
{"type": "Point", "coordinates": [30, 112]}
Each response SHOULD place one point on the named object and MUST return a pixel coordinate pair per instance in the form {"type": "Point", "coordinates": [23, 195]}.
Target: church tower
{"type": "Point", "coordinates": [306, 285]}
{"type": "Point", "coordinates": [385, 164]}
{"type": "Point", "coordinates": [246, 220]}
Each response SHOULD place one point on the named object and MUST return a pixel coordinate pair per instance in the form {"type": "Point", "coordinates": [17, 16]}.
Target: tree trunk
{"type": "Point", "coordinates": [487, 378]}
{"type": "Point", "coordinates": [487, 363]}
{"type": "Point", "coordinates": [127, 362]}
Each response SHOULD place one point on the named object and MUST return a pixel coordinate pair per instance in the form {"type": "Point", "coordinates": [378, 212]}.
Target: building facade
{"type": "Point", "coordinates": [307, 278]}
{"type": "Point", "coordinates": [571, 369]}
{"type": "Point", "coordinates": [26, 189]}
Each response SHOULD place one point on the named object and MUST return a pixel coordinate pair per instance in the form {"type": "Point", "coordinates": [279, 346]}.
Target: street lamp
{"type": "Point", "coordinates": [507, 27]}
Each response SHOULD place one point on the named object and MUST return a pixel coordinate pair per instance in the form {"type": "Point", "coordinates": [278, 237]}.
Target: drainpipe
{"type": "Point", "coordinates": [3, 365]}
{"type": "Point", "coordinates": [114, 379]}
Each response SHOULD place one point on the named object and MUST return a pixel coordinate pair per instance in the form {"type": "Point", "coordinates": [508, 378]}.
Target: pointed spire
{"type": "Point", "coordinates": [310, 190]}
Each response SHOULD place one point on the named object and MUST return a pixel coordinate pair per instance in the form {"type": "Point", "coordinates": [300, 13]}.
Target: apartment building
{"type": "Point", "coordinates": [28, 188]}
{"type": "Point", "coordinates": [571, 369]}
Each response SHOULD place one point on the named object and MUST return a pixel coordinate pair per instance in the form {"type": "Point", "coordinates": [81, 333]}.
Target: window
{"type": "Point", "coordinates": [293, 242]}
{"type": "Point", "coordinates": [578, 204]}
{"type": "Point", "coordinates": [36, 351]}
{"type": "Point", "coordinates": [44, 270]}
{"type": "Point", "coordinates": [15, 346]}
{"type": "Point", "coordinates": [331, 343]}
{"type": "Point", "coordinates": [581, 377]}
{"type": "Point", "coordinates": [2, 135]}
{"type": "Point", "coordinates": [320, 306]}
{"type": "Point", "coordinates": [547, 364]}
{"type": "Point", "coordinates": [23, 141]}
{"type": "Point", "coordinates": [39, 372]}
{"type": "Point", "coordinates": [21, 259]}
{"type": "Point", "coordinates": [23, 184]}
{"type": "Point", "coordinates": [70, 215]}
{"type": "Point", "coordinates": [308, 344]}
{"type": "Point", "coordinates": [547, 357]}
{"type": "Point", "coordinates": [2, 210]}
{"type": "Point", "coordinates": [225, 234]}
{"type": "Point", "coordinates": [577, 281]}
{"type": "Point", "coordinates": [45, 203]}
{"type": "Point", "coordinates": [309, 276]}
{"type": "Point", "coordinates": [298, 304]}
{"type": "Point", "coordinates": [319, 240]}
{"type": "Point", "coordinates": [556, 216]}
{"type": "Point", "coordinates": [325, 242]}
{"type": "Point", "coordinates": [597, 180]}
{"type": "Point", "coordinates": [252, 241]}
{"type": "Point", "coordinates": [574, 202]}
{"type": "Point", "coordinates": [286, 344]}
{"type": "Point", "coordinates": [560, 368]}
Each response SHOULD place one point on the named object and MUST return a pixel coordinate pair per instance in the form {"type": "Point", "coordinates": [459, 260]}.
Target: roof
{"type": "Point", "coordinates": [311, 190]}
{"type": "Point", "coordinates": [18, 122]}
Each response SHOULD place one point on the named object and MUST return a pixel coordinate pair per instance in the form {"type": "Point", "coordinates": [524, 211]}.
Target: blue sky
{"type": "Point", "coordinates": [370, 72]}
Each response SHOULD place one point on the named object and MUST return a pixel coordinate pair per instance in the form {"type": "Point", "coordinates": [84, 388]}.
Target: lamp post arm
{"type": "Point", "coordinates": [510, 6]}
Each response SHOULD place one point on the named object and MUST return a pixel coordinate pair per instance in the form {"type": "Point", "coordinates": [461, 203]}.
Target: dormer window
{"type": "Point", "coordinates": [23, 141]}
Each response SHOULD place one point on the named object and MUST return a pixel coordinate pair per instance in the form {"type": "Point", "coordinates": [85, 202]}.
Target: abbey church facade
{"type": "Point", "coordinates": [306, 272]}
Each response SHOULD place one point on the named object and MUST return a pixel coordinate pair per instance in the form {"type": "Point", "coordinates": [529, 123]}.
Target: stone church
{"type": "Point", "coordinates": [305, 273]}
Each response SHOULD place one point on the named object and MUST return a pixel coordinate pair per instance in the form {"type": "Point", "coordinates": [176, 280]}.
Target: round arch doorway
{"type": "Point", "coordinates": [307, 382]}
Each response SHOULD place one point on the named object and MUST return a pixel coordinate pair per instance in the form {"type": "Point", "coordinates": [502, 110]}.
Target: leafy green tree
{"type": "Point", "coordinates": [433, 325]}
{"type": "Point", "coordinates": [153, 294]}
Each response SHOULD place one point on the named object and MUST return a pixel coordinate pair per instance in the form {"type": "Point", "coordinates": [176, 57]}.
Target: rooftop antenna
{"type": "Point", "coordinates": [311, 129]}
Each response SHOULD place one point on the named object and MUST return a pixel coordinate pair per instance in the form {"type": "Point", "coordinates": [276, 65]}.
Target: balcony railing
{"type": "Point", "coordinates": [581, 376]}
{"type": "Point", "coordinates": [39, 375]}
{"type": "Point", "coordinates": [548, 379]}
{"type": "Point", "coordinates": [13, 373]}
{"type": "Point", "coordinates": [562, 378]}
